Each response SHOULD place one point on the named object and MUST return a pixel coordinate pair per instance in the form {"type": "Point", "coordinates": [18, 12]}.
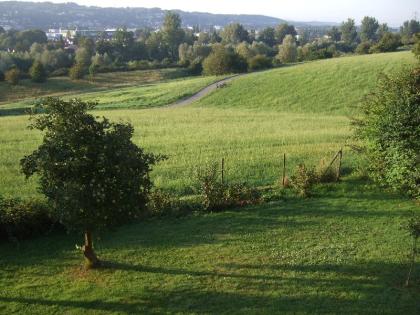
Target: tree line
{"type": "Point", "coordinates": [231, 50]}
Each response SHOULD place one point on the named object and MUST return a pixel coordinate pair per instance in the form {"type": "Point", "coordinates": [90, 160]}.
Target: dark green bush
{"type": "Point", "coordinates": [37, 72]}
{"type": "Point", "coordinates": [12, 76]}
{"type": "Point", "coordinates": [77, 72]}
{"type": "Point", "coordinates": [2, 78]}
{"type": "Point", "coordinates": [20, 219]}
{"type": "Point", "coordinates": [260, 62]}
{"type": "Point", "coordinates": [389, 130]}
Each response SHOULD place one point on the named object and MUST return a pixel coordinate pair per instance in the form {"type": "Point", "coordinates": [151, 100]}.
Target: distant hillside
{"type": "Point", "coordinates": [24, 15]}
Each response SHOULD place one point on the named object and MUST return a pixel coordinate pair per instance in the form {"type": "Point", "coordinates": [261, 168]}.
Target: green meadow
{"type": "Point", "coordinates": [341, 252]}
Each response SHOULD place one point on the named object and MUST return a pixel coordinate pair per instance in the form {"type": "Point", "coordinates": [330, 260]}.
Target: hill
{"type": "Point", "coordinates": [45, 15]}
{"type": "Point", "coordinates": [333, 86]}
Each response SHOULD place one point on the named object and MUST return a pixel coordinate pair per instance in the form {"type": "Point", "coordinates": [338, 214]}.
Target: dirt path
{"type": "Point", "coordinates": [208, 89]}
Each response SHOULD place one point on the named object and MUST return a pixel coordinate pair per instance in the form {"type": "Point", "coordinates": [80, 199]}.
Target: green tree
{"type": "Point", "coordinates": [408, 30]}
{"type": "Point", "coordinates": [389, 129]}
{"type": "Point", "coordinates": [37, 72]}
{"type": "Point", "coordinates": [12, 76]}
{"type": "Point", "coordinates": [223, 61]}
{"type": "Point", "coordinates": [173, 34]}
{"type": "Point", "coordinates": [288, 50]}
{"type": "Point", "coordinates": [335, 34]}
{"type": "Point", "coordinates": [283, 30]}
{"type": "Point", "coordinates": [389, 42]}
{"type": "Point", "coordinates": [369, 29]}
{"type": "Point", "coordinates": [416, 48]}
{"type": "Point", "coordinates": [349, 32]}
{"type": "Point", "coordinates": [77, 71]}
{"type": "Point", "coordinates": [89, 169]}
{"type": "Point", "coordinates": [234, 34]}
{"type": "Point", "coordinates": [268, 36]}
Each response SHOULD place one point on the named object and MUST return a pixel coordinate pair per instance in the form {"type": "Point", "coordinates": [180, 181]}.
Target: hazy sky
{"type": "Point", "coordinates": [394, 12]}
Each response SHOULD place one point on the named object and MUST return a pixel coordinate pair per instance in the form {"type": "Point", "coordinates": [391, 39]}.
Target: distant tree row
{"type": "Point", "coordinates": [233, 49]}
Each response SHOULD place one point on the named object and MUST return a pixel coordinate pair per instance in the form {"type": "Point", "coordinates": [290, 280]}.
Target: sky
{"type": "Point", "coordinates": [393, 12]}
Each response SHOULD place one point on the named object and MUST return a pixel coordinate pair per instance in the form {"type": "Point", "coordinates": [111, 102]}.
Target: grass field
{"type": "Point", "coordinates": [341, 252]}
{"type": "Point", "coordinates": [63, 85]}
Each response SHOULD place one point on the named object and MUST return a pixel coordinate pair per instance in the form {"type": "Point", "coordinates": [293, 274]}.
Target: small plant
{"type": "Point", "coordinates": [303, 180]}
{"type": "Point", "coordinates": [326, 173]}
{"type": "Point", "coordinates": [12, 76]}
{"type": "Point", "coordinates": [211, 187]}
{"type": "Point", "coordinates": [161, 203]}
{"type": "Point", "coordinates": [413, 228]}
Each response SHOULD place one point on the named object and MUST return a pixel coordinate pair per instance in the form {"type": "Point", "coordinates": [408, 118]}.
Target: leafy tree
{"type": "Point", "coordinates": [389, 42]}
{"type": "Point", "coordinates": [363, 48]}
{"type": "Point", "coordinates": [260, 62]}
{"type": "Point", "coordinates": [223, 61]}
{"type": "Point", "coordinates": [288, 50]}
{"type": "Point", "coordinates": [416, 48]}
{"type": "Point", "coordinates": [382, 30]}
{"type": "Point", "coordinates": [234, 34]}
{"type": "Point", "coordinates": [245, 51]}
{"type": "Point", "coordinates": [335, 34]}
{"type": "Point", "coordinates": [369, 29]}
{"type": "Point", "coordinates": [283, 30]}
{"type": "Point", "coordinates": [37, 72]}
{"type": "Point", "coordinates": [77, 72]}
{"type": "Point", "coordinates": [349, 32]}
{"type": "Point", "coordinates": [173, 34]}
{"type": "Point", "coordinates": [408, 30]}
{"type": "Point", "coordinates": [12, 76]}
{"type": "Point", "coordinates": [89, 169]}
{"type": "Point", "coordinates": [268, 36]}
{"type": "Point", "coordinates": [83, 57]}
{"type": "Point", "coordinates": [390, 131]}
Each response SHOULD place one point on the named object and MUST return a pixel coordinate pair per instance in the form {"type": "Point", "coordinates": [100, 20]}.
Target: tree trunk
{"type": "Point", "coordinates": [91, 260]}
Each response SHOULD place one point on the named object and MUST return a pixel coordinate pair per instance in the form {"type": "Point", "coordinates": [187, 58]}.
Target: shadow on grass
{"type": "Point", "coordinates": [371, 288]}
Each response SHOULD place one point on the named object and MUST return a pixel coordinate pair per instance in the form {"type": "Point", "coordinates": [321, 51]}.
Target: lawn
{"type": "Point", "coordinates": [342, 252]}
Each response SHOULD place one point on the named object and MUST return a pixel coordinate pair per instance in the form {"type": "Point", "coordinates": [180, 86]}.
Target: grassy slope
{"type": "Point", "coordinates": [333, 86]}
{"type": "Point", "coordinates": [343, 253]}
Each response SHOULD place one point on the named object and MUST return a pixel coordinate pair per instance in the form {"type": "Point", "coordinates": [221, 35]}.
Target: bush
{"type": "Point", "coordinates": [37, 72]}
{"type": "Point", "coordinates": [303, 180]}
{"type": "Point", "coordinates": [2, 78]}
{"type": "Point", "coordinates": [223, 61]}
{"type": "Point", "coordinates": [388, 43]}
{"type": "Point", "coordinates": [61, 72]}
{"type": "Point", "coordinates": [326, 174]}
{"type": "Point", "coordinates": [363, 48]}
{"type": "Point", "coordinates": [389, 129]}
{"type": "Point", "coordinates": [218, 196]}
{"type": "Point", "coordinates": [260, 62]}
{"type": "Point", "coordinates": [161, 203]}
{"type": "Point", "coordinates": [77, 72]}
{"type": "Point", "coordinates": [12, 76]}
{"type": "Point", "coordinates": [20, 219]}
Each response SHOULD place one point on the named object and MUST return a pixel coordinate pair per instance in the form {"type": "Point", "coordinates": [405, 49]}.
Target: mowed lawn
{"type": "Point", "coordinates": [341, 252]}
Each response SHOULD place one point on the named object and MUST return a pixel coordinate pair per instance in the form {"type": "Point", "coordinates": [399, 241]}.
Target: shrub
{"type": "Point", "coordinates": [37, 72]}
{"type": "Point", "coordinates": [303, 180]}
{"type": "Point", "coordinates": [363, 48]}
{"type": "Point", "coordinates": [218, 196]}
{"type": "Point", "coordinates": [413, 228]}
{"type": "Point", "coordinates": [12, 76]}
{"type": "Point", "coordinates": [389, 130]}
{"type": "Point", "coordinates": [223, 61]}
{"type": "Point", "coordinates": [77, 72]}
{"type": "Point", "coordinates": [260, 62]}
{"type": "Point", "coordinates": [389, 42]}
{"type": "Point", "coordinates": [60, 72]}
{"type": "Point", "coordinates": [161, 203]}
{"type": "Point", "coordinates": [20, 219]}
{"type": "Point", "coordinates": [2, 78]}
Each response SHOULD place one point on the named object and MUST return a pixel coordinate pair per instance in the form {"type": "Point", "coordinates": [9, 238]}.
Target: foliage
{"type": "Point", "coordinates": [416, 48]}
{"type": "Point", "coordinates": [259, 62]}
{"type": "Point", "coordinates": [218, 195]}
{"type": "Point", "coordinates": [369, 29]}
{"type": "Point", "coordinates": [349, 32]}
{"type": "Point", "coordinates": [21, 219]}
{"type": "Point", "coordinates": [173, 34]}
{"type": "Point", "coordinates": [413, 228]}
{"type": "Point", "coordinates": [288, 50]}
{"type": "Point", "coordinates": [223, 61]}
{"type": "Point", "coordinates": [77, 72]}
{"type": "Point", "coordinates": [363, 48]}
{"type": "Point", "coordinates": [234, 34]}
{"type": "Point", "coordinates": [284, 30]}
{"type": "Point", "coordinates": [2, 77]}
{"type": "Point", "coordinates": [303, 180]}
{"type": "Point", "coordinates": [390, 131]}
{"type": "Point", "coordinates": [388, 43]}
{"type": "Point", "coordinates": [12, 76]}
{"type": "Point", "coordinates": [37, 72]}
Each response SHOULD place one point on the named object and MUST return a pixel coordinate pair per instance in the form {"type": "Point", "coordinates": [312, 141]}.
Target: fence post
{"type": "Point", "coordinates": [339, 164]}
{"type": "Point", "coordinates": [284, 169]}
{"type": "Point", "coordinates": [223, 170]}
